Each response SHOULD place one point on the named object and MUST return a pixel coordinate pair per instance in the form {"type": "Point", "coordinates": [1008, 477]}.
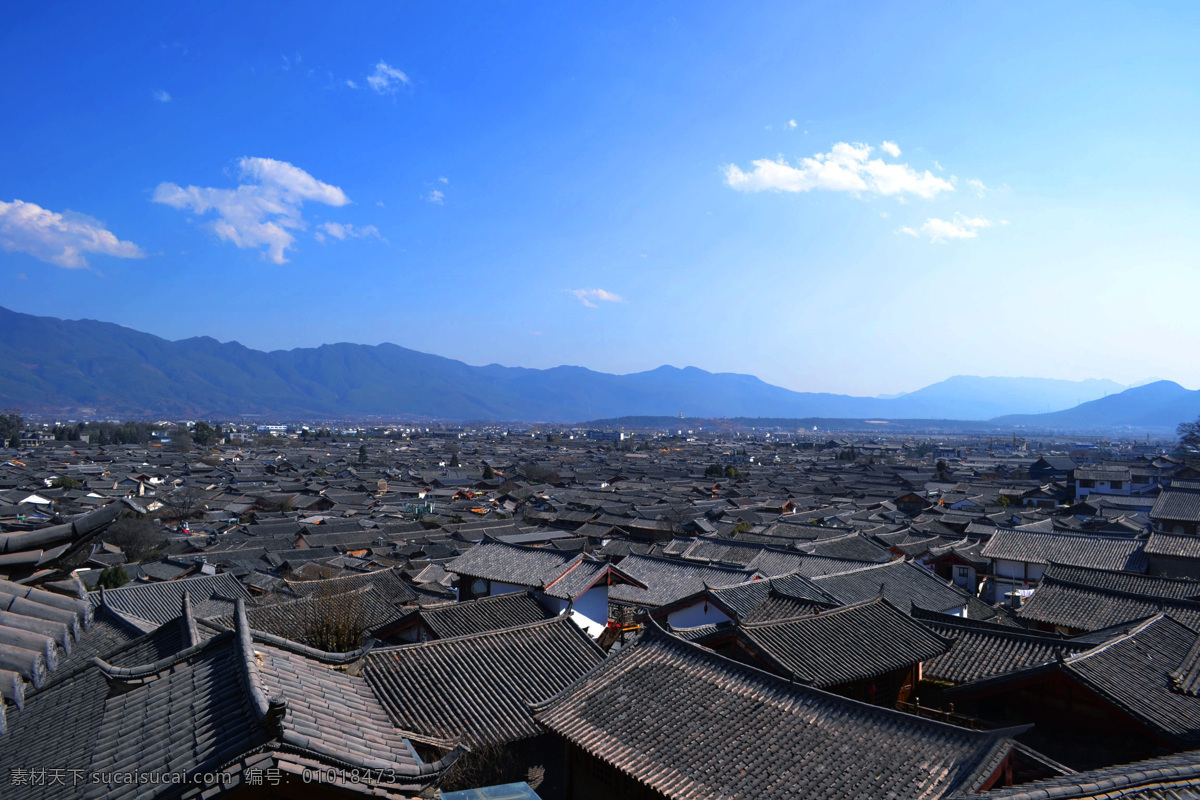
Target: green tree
{"type": "Point", "coordinates": [67, 483]}
{"type": "Point", "coordinates": [714, 470]}
{"type": "Point", "coordinates": [454, 460]}
{"type": "Point", "coordinates": [488, 472]}
{"type": "Point", "coordinates": [113, 577]}
{"type": "Point", "coordinates": [1189, 433]}
{"type": "Point", "coordinates": [362, 453]}
{"type": "Point", "coordinates": [205, 434]}
{"type": "Point", "coordinates": [11, 425]}
{"type": "Point", "coordinates": [137, 536]}
{"type": "Point", "coordinates": [181, 440]}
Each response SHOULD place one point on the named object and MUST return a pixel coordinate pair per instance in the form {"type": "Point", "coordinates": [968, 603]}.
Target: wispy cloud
{"type": "Point", "coordinates": [791, 123]}
{"type": "Point", "coordinates": [942, 230]}
{"type": "Point", "coordinates": [845, 168]}
{"type": "Point", "coordinates": [351, 84]}
{"type": "Point", "coordinates": [343, 231]}
{"type": "Point", "coordinates": [436, 196]}
{"type": "Point", "coordinates": [263, 210]}
{"type": "Point", "coordinates": [587, 296]}
{"type": "Point", "coordinates": [162, 96]}
{"type": "Point", "coordinates": [891, 148]}
{"type": "Point", "coordinates": [60, 239]}
{"type": "Point", "coordinates": [386, 79]}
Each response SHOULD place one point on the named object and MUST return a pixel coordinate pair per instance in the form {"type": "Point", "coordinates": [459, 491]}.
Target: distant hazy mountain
{"type": "Point", "coordinates": [1160, 405]}
{"type": "Point", "coordinates": [969, 397]}
{"type": "Point", "coordinates": [49, 365]}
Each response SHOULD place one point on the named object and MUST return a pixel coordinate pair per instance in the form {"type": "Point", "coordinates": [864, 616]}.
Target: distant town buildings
{"type": "Point", "coordinates": [587, 613]}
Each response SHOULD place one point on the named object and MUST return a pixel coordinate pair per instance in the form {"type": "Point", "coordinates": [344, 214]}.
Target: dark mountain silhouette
{"type": "Point", "coordinates": [77, 367]}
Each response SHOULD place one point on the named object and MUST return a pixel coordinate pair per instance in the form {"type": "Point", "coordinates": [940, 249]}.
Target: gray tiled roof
{"type": "Point", "coordinates": [211, 705]}
{"type": "Point", "coordinates": [982, 649]}
{"type": "Point", "coordinates": [152, 728]}
{"type": "Point", "coordinates": [211, 596]}
{"type": "Point", "coordinates": [1131, 582]}
{"type": "Point", "coordinates": [477, 688]}
{"type": "Point", "coordinates": [1076, 549]}
{"type": "Point", "coordinates": [1176, 505]}
{"type": "Point", "coordinates": [1173, 545]}
{"type": "Point", "coordinates": [856, 642]}
{"type": "Point", "coordinates": [306, 620]}
{"type": "Point", "coordinates": [387, 582]}
{"type": "Point", "coordinates": [690, 724]}
{"type": "Point", "coordinates": [745, 598]}
{"type": "Point", "coordinates": [337, 714]}
{"type": "Point", "coordinates": [485, 614]}
{"type": "Point", "coordinates": [669, 579]}
{"type": "Point", "coordinates": [903, 583]}
{"type": "Point", "coordinates": [515, 564]}
{"type": "Point", "coordinates": [1090, 608]}
{"type": "Point", "coordinates": [1175, 777]}
{"type": "Point", "coordinates": [1132, 672]}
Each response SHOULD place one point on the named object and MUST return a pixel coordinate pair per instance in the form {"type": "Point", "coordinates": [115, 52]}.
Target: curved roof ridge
{"type": "Point", "coordinates": [1148, 598]}
{"type": "Point", "coordinates": [556, 620]}
{"type": "Point", "coordinates": [140, 671]}
{"type": "Point", "coordinates": [1121, 638]}
{"type": "Point", "coordinates": [248, 663]}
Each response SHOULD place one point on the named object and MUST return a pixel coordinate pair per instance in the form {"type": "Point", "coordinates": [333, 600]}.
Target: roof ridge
{"type": "Point", "coordinates": [146, 670]}
{"type": "Point", "coordinates": [1072, 534]}
{"type": "Point", "coordinates": [829, 612]}
{"type": "Point", "coordinates": [864, 568]}
{"type": "Point", "coordinates": [1124, 572]}
{"type": "Point", "coordinates": [265, 711]}
{"type": "Point", "coordinates": [191, 634]}
{"type": "Point", "coordinates": [1121, 638]}
{"type": "Point", "coordinates": [555, 620]}
{"type": "Point", "coordinates": [977, 625]}
{"type": "Point", "coordinates": [1160, 601]}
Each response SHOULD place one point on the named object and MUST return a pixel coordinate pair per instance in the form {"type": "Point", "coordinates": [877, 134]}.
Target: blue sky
{"type": "Point", "coordinates": [857, 198]}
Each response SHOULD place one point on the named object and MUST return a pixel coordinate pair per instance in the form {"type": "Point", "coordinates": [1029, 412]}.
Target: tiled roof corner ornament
{"type": "Point", "coordinates": [276, 710]}
{"type": "Point", "coordinates": [187, 621]}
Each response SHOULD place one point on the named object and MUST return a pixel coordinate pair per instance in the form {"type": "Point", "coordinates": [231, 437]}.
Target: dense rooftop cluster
{"type": "Point", "coordinates": [678, 616]}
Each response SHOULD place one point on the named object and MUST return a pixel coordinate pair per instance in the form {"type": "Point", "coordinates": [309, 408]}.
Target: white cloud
{"type": "Point", "coordinates": [444, 180]}
{"type": "Point", "coordinates": [586, 296]}
{"type": "Point", "coordinates": [260, 212]}
{"type": "Point", "coordinates": [941, 230]}
{"type": "Point", "coordinates": [891, 148]}
{"type": "Point", "coordinates": [386, 79]}
{"type": "Point", "coordinates": [845, 168]}
{"type": "Point", "coordinates": [791, 124]}
{"type": "Point", "coordinates": [60, 239]}
{"type": "Point", "coordinates": [341, 231]}
{"type": "Point", "coordinates": [978, 187]}
{"type": "Point", "coordinates": [436, 196]}
{"type": "Point", "coordinates": [938, 167]}
{"type": "Point", "coordinates": [162, 96]}
{"type": "Point", "coordinates": [351, 84]}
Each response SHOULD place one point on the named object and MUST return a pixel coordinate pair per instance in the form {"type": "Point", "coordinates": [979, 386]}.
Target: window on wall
{"type": "Point", "coordinates": [1086, 484]}
{"type": "Point", "coordinates": [1118, 484]}
{"type": "Point", "coordinates": [960, 572]}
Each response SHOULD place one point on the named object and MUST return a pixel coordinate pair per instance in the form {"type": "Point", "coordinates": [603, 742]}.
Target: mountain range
{"type": "Point", "coordinates": [84, 367]}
